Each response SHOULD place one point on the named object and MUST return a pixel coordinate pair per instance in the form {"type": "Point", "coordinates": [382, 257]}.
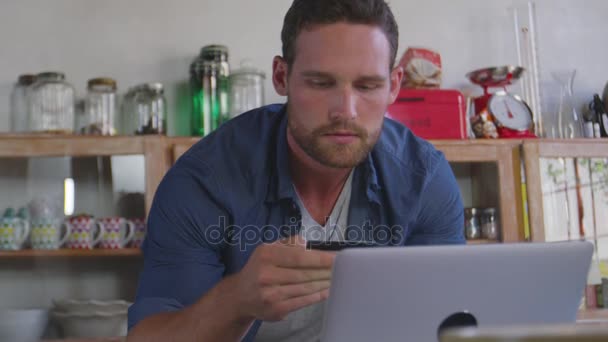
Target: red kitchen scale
{"type": "Point", "coordinates": [500, 114]}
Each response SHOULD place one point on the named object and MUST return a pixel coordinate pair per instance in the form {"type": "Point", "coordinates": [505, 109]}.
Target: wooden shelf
{"type": "Point", "coordinates": [479, 150]}
{"type": "Point", "coordinates": [481, 242]}
{"type": "Point", "coordinates": [580, 148]}
{"type": "Point", "coordinates": [46, 145]}
{"type": "Point", "coordinates": [69, 253]}
{"type": "Point", "coordinates": [593, 315]}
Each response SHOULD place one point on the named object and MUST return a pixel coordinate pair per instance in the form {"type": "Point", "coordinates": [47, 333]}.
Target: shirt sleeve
{"type": "Point", "coordinates": [441, 216]}
{"type": "Point", "coordinates": [183, 243]}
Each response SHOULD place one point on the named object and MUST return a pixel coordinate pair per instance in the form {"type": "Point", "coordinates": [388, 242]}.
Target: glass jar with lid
{"type": "Point", "coordinates": [51, 104]}
{"type": "Point", "coordinates": [246, 89]}
{"type": "Point", "coordinates": [148, 112]}
{"type": "Point", "coordinates": [206, 115]}
{"type": "Point", "coordinates": [218, 56]}
{"type": "Point", "coordinates": [100, 107]}
{"type": "Point", "coordinates": [19, 103]}
{"type": "Point", "coordinates": [209, 87]}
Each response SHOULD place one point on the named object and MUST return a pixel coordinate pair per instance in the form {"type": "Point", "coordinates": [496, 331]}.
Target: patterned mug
{"type": "Point", "coordinates": [47, 233]}
{"type": "Point", "coordinates": [140, 232]}
{"type": "Point", "coordinates": [118, 232]}
{"type": "Point", "coordinates": [13, 233]}
{"type": "Point", "coordinates": [85, 232]}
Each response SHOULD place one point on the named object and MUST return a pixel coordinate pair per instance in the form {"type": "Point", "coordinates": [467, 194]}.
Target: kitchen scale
{"type": "Point", "coordinates": [500, 114]}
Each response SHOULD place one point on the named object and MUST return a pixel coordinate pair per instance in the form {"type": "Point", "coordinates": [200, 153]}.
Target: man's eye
{"type": "Point", "coordinates": [320, 83]}
{"type": "Point", "coordinates": [367, 87]}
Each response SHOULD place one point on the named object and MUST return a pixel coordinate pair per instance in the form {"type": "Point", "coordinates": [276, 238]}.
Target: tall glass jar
{"type": "Point", "coordinates": [19, 103]}
{"type": "Point", "coordinates": [246, 89]}
{"type": "Point", "coordinates": [51, 104]}
{"type": "Point", "coordinates": [206, 115]}
{"type": "Point", "coordinates": [218, 55]}
{"type": "Point", "coordinates": [149, 110]}
{"type": "Point", "coordinates": [100, 107]}
{"type": "Point", "coordinates": [210, 88]}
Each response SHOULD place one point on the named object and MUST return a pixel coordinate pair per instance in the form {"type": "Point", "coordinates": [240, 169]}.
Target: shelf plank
{"type": "Point", "coordinates": [46, 145]}
{"type": "Point", "coordinates": [481, 242]}
{"type": "Point", "coordinates": [480, 150]}
{"type": "Point", "coordinates": [592, 315]}
{"type": "Point", "coordinates": [581, 148]}
{"type": "Point", "coordinates": [69, 253]}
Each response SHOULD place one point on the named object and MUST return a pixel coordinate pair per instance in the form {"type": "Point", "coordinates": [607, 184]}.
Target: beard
{"type": "Point", "coordinates": [330, 154]}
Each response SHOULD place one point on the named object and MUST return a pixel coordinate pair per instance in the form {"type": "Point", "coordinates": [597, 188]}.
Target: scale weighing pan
{"type": "Point", "coordinates": [496, 76]}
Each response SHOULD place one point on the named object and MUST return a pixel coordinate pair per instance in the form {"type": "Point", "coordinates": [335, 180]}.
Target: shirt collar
{"type": "Point", "coordinates": [280, 185]}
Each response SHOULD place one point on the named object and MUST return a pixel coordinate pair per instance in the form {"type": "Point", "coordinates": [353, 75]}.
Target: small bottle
{"type": "Point", "coordinates": [472, 229]}
{"type": "Point", "coordinates": [601, 117]}
{"type": "Point", "coordinates": [489, 224]}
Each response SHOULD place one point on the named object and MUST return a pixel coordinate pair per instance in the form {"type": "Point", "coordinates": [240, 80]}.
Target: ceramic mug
{"type": "Point", "coordinates": [140, 233]}
{"type": "Point", "coordinates": [118, 232]}
{"type": "Point", "coordinates": [47, 233]}
{"type": "Point", "coordinates": [85, 232]}
{"type": "Point", "coordinates": [13, 233]}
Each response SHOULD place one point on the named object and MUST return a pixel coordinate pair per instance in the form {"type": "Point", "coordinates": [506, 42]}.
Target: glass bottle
{"type": "Point", "coordinates": [472, 229]}
{"type": "Point", "coordinates": [489, 224]}
{"type": "Point", "coordinates": [569, 121]}
{"type": "Point", "coordinates": [100, 107]}
{"type": "Point", "coordinates": [19, 103]}
{"type": "Point", "coordinates": [51, 104]}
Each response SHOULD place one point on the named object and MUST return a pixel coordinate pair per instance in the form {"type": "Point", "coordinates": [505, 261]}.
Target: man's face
{"type": "Point", "coordinates": [338, 89]}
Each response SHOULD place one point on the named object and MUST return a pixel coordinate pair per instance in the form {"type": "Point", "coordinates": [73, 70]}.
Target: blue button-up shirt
{"type": "Point", "coordinates": [232, 191]}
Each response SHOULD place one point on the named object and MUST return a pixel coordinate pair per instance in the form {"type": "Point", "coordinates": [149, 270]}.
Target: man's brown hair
{"type": "Point", "coordinates": [304, 14]}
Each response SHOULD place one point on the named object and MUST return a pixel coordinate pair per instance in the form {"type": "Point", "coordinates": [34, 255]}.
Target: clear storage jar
{"type": "Point", "coordinates": [19, 103]}
{"type": "Point", "coordinates": [100, 107]}
{"type": "Point", "coordinates": [51, 104]}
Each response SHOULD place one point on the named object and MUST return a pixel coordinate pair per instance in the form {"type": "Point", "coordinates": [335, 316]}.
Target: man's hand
{"type": "Point", "coordinates": [283, 277]}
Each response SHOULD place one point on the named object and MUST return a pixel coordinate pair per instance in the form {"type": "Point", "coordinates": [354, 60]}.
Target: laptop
{"type": "Point", "coordinates": [414, 293]}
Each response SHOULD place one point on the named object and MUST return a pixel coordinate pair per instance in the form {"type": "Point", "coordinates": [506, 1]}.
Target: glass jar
{"type": "Point", "coordinates": [246, 89]}
{"type": "Point", "coordinates": [218, 56]}
{"type": "Point", "coordinates": [128, 121]}
{"type": "Point", "coordinates": [489, 224]}
{"type": "Point", "coordinates": [472, 228]}
{"type": "Point", "coordinates": [206, 115]}
{"type": "Point", "coordinates": [149, 110]}
{"type": "Point", "coordinates": [19, 103]}
{"type": "Point", "coordinates": [100, 107]}
{"type": "Point", "coordinates": [210, 89]}
{"type": "Point", "coordinates": [51, 104]}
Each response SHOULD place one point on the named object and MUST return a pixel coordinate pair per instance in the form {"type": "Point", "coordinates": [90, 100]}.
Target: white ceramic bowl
{"type": "Point", "coordinates": [91, 324]}
{"type": "Point", "coordinates": [23, 325]}
{"type": "Point", "coordinates": [89, 306]}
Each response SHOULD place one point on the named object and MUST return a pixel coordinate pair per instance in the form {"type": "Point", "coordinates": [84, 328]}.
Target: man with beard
{"type": "Point", "coordinates": [224, 258]}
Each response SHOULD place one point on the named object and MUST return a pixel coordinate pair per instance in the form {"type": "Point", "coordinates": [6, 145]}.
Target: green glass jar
{"type": "Point", "coordinates": [210, 88]}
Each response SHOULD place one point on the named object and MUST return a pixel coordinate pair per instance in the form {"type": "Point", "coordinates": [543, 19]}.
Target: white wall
{"type": "Point", "coordinates": [145, 40]}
